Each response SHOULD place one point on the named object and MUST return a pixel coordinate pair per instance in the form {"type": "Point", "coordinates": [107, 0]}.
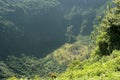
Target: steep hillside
{"type": "Point", "coordinates": [56, 62]}
{"type": "Point", "coordinates": [24, 29]}
{"type": "Point", "coordinates": [38, 27]}
{"type": "Point", "coordinates": [96, 68]}
{"type": "Point", "coordinates": [104, 63]}
{"type": "Point", "coordinates": [23, 23]}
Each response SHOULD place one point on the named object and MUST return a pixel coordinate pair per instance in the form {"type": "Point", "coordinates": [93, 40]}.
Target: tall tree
{"type": "Point", "coordinates": [109, 38]}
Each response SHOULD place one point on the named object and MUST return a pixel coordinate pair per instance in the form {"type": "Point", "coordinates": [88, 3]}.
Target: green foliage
{"type": "Point", "coordinates": [107, 68]}
{"type": "Point", "coordinates": [30, 66]}
{"type": "Point", "coordinates": [97, 67]}
{"type": "Point", "coordinates": [70, 34]}
{"type": "Point", "coordinates": [26, 7]}
{"type": "Point", "coordinates": [17, 17]}
{"type": "Point", "coordinates": [83, 16]}
{"type": "Point", "coordinates": [76, 51]}
{"type": "Point", "coordinates": [108, 36]}
{"type": "Point", "coordinates": [55, 62]}
{"type": "Point", "coordinates": [36, 6]}
{"type": "Point", "coordinates": [83, 66]}
{"type": "Point", "coordinates": [36, 77]}
{"type": "Point", "coordinates": [5, 72]}
{"type": "Point", "coordinates": [83, 25]}
{"type": "Point", "coordinates": [24, 65]}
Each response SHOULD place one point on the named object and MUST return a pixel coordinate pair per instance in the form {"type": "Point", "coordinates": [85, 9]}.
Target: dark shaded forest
{"type": "Point", "coordinates": [39, 27]}
{"type": "Point", "coordinates": [59, 40]}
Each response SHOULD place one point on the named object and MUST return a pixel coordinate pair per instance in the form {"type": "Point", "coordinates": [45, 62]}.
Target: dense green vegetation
{"type": "Point", "coordinates": [80, 58]}
{"type": "Point", "coordinates": [23, 26]}
{"type": "Point", "coordinates": [104, 63]}
{"type": "Point", "coordinates": [56, 62]}
{"type": "Point", "coordinates": [38, 27]}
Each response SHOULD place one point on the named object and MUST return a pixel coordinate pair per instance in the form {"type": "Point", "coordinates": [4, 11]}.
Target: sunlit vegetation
{"type": "Point", "coordinates": [81, 56]}
{"type": "Point", "coordinates": [105, 68]}
{"type": "Point", "coordinates": [105, 58]}
{"type": "Point", "coordinates": [56, 62]}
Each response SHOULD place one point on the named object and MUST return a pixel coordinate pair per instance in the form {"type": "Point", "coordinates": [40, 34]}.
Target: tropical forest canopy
{"type": "Point", "coordinates": [37, 27]}
{"type": "Point", "coordinates": [59, 39]}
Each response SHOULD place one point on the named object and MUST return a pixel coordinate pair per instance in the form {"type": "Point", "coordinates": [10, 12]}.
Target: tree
{"type": "Point", "coordinates": [109, 37]}
{"type": "Point", "coordinates": [70, 34]}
